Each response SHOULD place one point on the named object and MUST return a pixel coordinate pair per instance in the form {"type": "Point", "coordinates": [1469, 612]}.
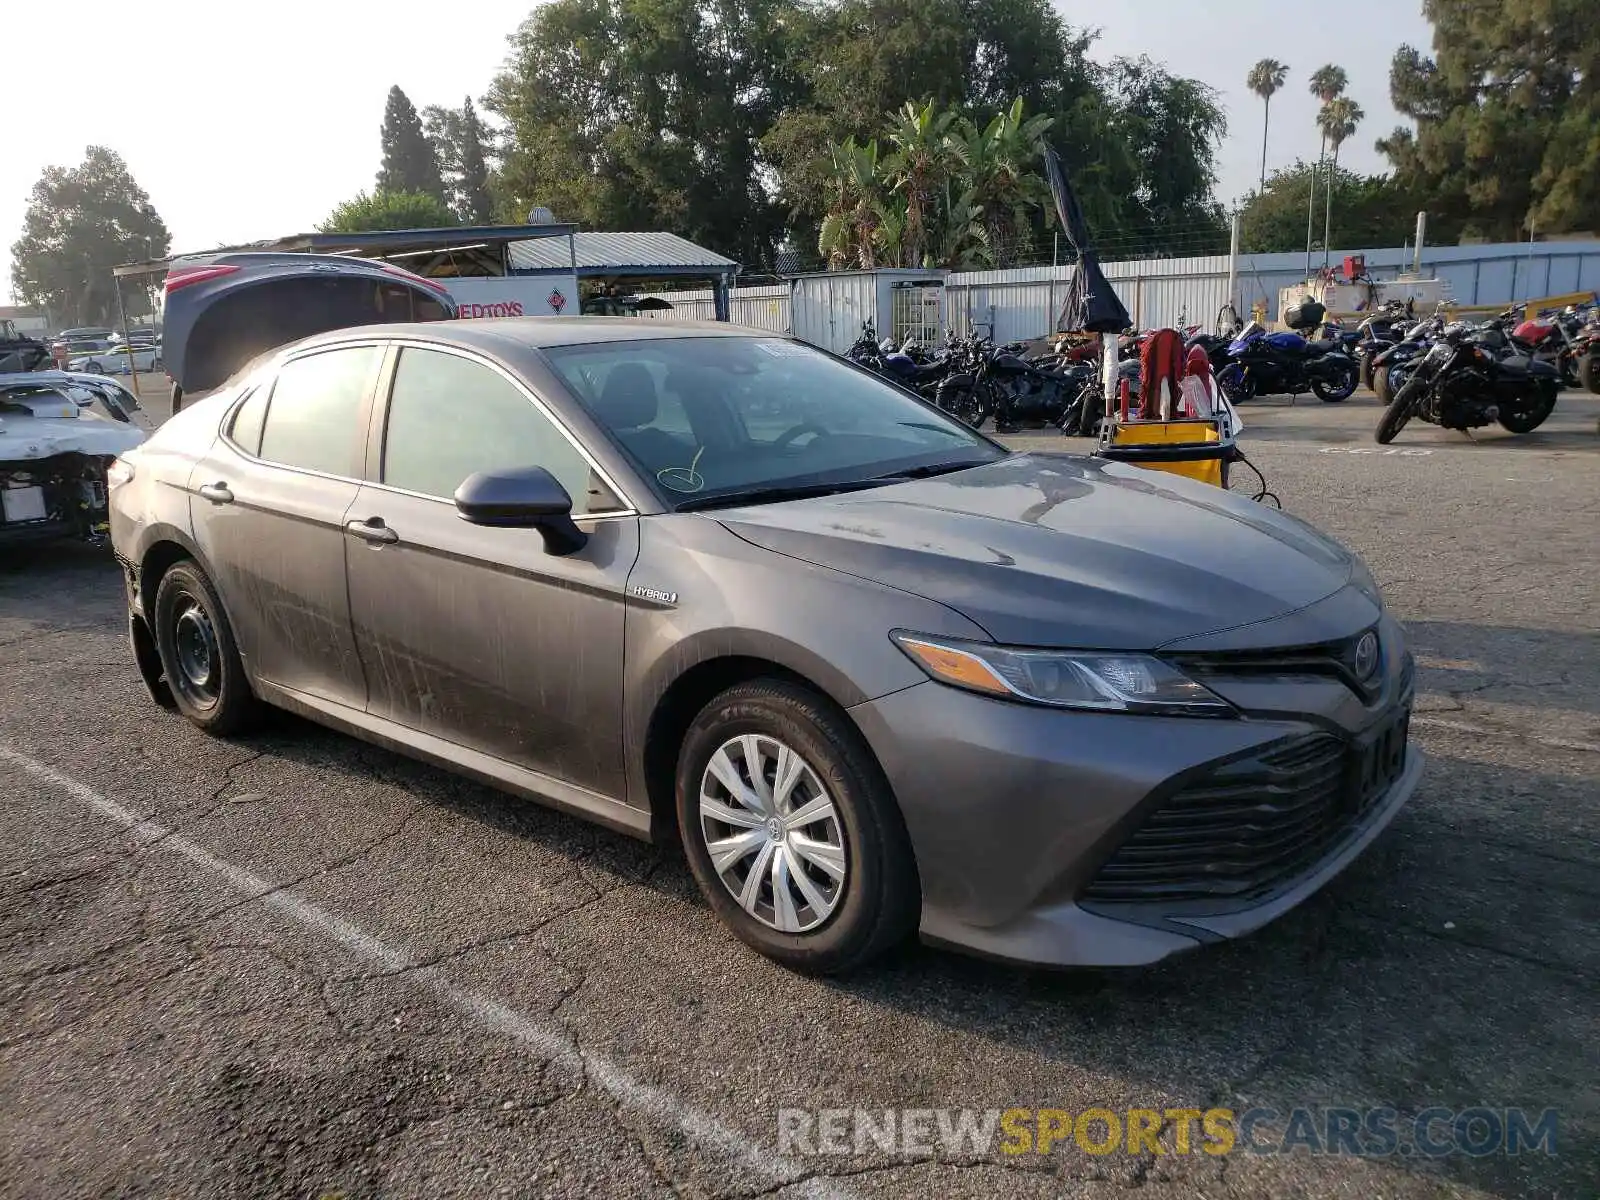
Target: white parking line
{"type": "Point", "coordinates": [541, 1039]}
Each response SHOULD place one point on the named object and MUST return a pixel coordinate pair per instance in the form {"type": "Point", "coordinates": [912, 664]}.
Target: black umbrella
{"type": "Point", "coordinates": [1091, 304]}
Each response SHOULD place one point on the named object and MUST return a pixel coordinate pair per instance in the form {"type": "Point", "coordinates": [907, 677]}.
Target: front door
{"type": "Point", "coordinates": [479, 635]}
{"type": "Point", "coordinates": [268, 506]}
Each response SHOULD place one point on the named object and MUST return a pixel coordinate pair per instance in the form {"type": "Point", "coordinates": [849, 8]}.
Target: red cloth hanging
{"type": "Point", "coordinates": [1160, 374]}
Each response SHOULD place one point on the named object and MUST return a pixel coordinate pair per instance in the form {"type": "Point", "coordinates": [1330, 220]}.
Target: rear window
{"type": "Point", "coordinates": [313, 414]}
{"type": "Point", "coordinates": [248, 420]}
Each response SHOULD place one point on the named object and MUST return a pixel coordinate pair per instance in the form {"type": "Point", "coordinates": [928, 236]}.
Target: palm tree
{"type": "Point", "coordinates": [1337, 120]}
{"type": "Point", "coordinates": [1327, 84]}
{"type": "Point", "coordinates": [849, 229]}
{"type": "Point", "coordinates": [1266, 78]}
{"type": "Point", "coordinates": [995, 163]}
{"type": "Point", "coordinates": [917, 169]}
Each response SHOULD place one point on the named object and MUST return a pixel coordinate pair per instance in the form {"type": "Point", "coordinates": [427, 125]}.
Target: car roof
{"type": "Point", "coordinates": [499, 334]}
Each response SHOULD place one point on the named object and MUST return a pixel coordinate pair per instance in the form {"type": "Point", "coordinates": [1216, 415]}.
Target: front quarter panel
{"type": "Point", "coordinates": [698, 593]}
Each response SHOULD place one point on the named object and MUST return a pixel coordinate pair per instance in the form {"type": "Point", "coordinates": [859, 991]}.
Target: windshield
{"type": "Point", "coordinates": [710, 417]}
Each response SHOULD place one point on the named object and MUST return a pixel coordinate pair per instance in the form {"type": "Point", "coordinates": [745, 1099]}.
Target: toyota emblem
{"type": "Point", "coordinates": [1366, 659]}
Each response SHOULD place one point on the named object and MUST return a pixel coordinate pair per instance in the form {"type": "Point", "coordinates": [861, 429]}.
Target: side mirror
{"type": "Point", "coordinates": [522, 498]}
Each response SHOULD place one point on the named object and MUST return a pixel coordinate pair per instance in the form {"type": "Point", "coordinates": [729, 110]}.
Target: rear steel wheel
{"type": "Point", "coordinates": [198, 655]}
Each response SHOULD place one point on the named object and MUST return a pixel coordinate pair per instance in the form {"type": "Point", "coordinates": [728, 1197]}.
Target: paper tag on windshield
{"type": "Point", "coordinates": [782, 349]}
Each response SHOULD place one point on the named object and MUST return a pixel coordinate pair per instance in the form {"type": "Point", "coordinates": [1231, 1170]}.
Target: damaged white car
{"type": "Point", "coordinates": [60, 431]}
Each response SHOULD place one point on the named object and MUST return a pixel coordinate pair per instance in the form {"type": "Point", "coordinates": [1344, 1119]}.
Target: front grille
{"type": "Point", "coordinates": [1333, 658]}
{"type": "Point", "coordinates": [1250, 826]}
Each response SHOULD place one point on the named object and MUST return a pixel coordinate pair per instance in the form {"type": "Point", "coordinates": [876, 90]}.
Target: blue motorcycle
{"type": "Point", "coordinates": [1287, 364]}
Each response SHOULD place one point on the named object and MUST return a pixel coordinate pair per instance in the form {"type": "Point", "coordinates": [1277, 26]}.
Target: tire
{"type": "Point", "coordinates": [1380, 384]}
{"type": "Point", "coordinates": [872, 905]}
{"type": "Point", "coordinates": [1332, 392]}
{"type": "Point", "coordinates": [94, 368]}
{"type": "Point", "coordinates": [1366, 371]}
{"type": "Point", "coordinates": [1589, 371]}
{"type": "Point", "coordinates": [1529, 419]}
{"type": "Point", "coordinates": [1396, 415]}
{"type": "Point", "coordinates": [1237, 385]}
{"type": "Point", "coordinates": [193, 638]}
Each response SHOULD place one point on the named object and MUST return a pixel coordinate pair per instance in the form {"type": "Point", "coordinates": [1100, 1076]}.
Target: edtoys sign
{"type": "Point", "coordinates": [514, 295]}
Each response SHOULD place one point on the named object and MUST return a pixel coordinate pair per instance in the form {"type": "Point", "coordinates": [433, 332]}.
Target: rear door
{"type": "Point", "coordinates": [268, 505]}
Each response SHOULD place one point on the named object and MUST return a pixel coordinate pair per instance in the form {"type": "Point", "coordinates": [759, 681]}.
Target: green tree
{"type": "Point", "coordinates": [409, 164]}
{"type": "Point", "coordinates": [646, 114]}
{"type": "Point", "coordinates": [1505, 111]}
{"type": "Point", "coordinates": [1374, 210]}
{"type": "Point", "coordinates": [389, 210]}
{"type": "Point", "coordinates": [81, 222]}
{"type": "Point", "coordinates": [457, 138]}
{"type": "Point", "coordinates": [1171, 126]}
{"type": "Point", "coordinates": [1266, 79]}
{"type": "Point", "coordinates": [997, 164]}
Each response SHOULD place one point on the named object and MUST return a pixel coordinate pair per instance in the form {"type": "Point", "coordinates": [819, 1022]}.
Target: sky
{"type": "Point", "coordinates": [227, 122]}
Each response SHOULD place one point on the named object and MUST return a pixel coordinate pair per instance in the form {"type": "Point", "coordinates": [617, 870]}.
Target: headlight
{"type": "Point", "coordinates": [1063, 679]}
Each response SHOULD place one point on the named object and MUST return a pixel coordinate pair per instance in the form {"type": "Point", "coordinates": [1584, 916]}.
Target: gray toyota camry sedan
{"type": "Point", "coordinates": [875, 672]}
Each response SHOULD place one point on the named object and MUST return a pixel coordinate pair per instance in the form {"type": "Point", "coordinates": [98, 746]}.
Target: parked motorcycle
{"type": "Point", "coordinates": [1462, 383]}
{"type": "Point", "coordinates": [1273, 364]}
{"type": "Point", "coordinates": [1391, 365]}
{"type": "Point", "coordinates": [1379, 330]}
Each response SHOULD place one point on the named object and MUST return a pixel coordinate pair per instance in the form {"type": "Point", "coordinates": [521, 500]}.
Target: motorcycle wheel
{"type": "Point", "coordinates": [1571, 371]}
{"type": "Point", "coordinates": [1333, 391]}
{"type": "Point", "coordinates": [967, 407]}
{"type": "Point", "coordinates": [1526, 420]}
{"type": "Point", "coordinates": [1366, 371]}
{"type": "Point", "coordinates": [1396, 415]}
{"type": "Point", "coordinates": [1380, 384]}
{"type": "Point", "coordinates": [1237, 385]}
{"type": "Point", "coordinates": [1589, 371]}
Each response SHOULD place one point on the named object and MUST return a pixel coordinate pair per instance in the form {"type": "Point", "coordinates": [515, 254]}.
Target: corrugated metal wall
{"type": "Point", "coordinates": [1023, 302]}
{"type": "Point", "coordinates": [765, 307]}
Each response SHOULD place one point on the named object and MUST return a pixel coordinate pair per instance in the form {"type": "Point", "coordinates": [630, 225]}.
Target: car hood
{"type": "Point", "coordinates": [1061, 550]}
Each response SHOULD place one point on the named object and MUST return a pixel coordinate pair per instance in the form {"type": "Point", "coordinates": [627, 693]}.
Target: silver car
{"type": "Point", "coordinates": [877, 673]}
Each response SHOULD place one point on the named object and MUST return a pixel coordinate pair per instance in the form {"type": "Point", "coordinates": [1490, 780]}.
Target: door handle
{"type": "Point", "coordinates": [372, 530]}
{"type": "Point", "coordinates": [217, 493]}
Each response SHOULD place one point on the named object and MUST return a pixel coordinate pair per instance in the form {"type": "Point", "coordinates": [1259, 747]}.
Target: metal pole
{"type": "Point", "coordinates": [1311, 215]}
{"type": "Point", "coordinates": [1233, 264]}
{"type": "Point", "coordinates": [127, 343]}
{"type": "Point", "coordinates": [1108, 368]}
{"type": "Point", "coordinates": [1422, 233]}
{"type": "Point", "coordinates": [1327, 219]}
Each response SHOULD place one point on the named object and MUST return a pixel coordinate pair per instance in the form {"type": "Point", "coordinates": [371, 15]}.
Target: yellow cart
{"type": "Point", "coordinates": [1200, 448]}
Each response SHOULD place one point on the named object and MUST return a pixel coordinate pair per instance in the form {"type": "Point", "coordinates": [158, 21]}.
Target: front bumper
{"type": "Point", "coordinates": [1013, 812]}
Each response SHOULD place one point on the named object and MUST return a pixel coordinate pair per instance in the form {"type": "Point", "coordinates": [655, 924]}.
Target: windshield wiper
{"type": "Point", "coordinates": [930, 470]}
{"type": "Point", "coordinates": [772, 495]}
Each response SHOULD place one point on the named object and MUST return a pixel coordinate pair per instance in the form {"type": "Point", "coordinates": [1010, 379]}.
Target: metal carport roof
{"type": "Point", "coordinates": [630, 253]}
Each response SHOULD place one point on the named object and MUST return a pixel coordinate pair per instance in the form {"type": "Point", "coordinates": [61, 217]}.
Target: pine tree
{"type": "Point", "coordinates": [409, 163]}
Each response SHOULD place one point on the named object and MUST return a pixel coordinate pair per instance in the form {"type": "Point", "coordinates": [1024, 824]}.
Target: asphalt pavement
{"type": "Point", "coordinates": [296, 965]}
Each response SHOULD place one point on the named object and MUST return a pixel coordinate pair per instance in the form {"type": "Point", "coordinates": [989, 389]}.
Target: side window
{"type": "Point", "coordinates": [450, 417]}
{"type": "Point", "coordinates": [311, 419]}
{"type": "Point", "coordinates": [246, 428]}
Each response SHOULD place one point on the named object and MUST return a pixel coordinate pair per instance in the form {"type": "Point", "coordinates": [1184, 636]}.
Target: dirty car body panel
{"type": "Point", "coordinates": [58, 432]}
{"type": "Point", "coordinates": [1041, 833]}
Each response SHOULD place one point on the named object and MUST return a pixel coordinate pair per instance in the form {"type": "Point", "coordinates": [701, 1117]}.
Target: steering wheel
{"type": "Point", "coordinates": [784, 440]}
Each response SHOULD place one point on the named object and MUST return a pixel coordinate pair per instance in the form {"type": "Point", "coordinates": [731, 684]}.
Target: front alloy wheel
{"type": "Point", "coordinates": [772, 832]}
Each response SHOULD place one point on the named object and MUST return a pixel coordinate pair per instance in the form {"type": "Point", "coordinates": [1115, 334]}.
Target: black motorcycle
{"type": "Point", "coordinates": [1379, 330]}
{"type": "Point", "coordinates": [1461, 383]}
